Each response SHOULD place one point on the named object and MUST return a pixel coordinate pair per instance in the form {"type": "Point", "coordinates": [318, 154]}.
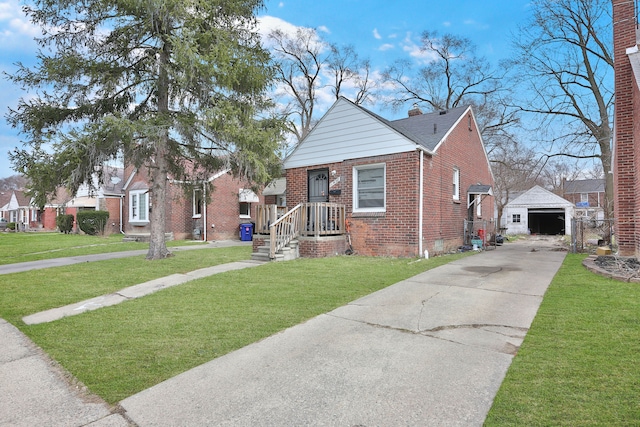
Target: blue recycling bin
{"type": "Point", "coordinates": [246, 232]}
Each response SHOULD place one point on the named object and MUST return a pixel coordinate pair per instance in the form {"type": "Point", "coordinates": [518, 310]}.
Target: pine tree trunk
{"type": "Point", "coordinates": [157, 245]}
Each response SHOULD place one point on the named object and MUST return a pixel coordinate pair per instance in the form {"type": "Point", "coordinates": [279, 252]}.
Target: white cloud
{"type": "Point", "coordinates": [376, 34]}
{"type": "Point", "coordinates": [15, 24]}
{"type": "Point", "coordinates": [386, 46]}
{"type": "Point", "coordinates": [281, 4]}
{"type": "Point", "coordinates": [267, 23]}
{"type": "Point", "coordinates": [324, 29]}
{"type": "Point", "coordinates": [415, 50]}
{"type": "Point", "coordinates": [446, 24]}
{"type": "Point", "coordinates": [476, 24]}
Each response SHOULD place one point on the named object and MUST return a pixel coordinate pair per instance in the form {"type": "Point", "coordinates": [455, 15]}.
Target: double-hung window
{"type": "Point", "coordinates": [456, 184]}
{"type": "Point", "coordinates": [139, 206]}
{"type": "Point", "coordinates": [198, 202]}
{"type": "Point", "coordinates": [369, 189]}
{"type": "Point", "coordinates": [516, 218]}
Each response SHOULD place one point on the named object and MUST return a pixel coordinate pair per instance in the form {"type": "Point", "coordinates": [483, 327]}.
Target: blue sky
{"type": "Point", "coordinates": [381, 30]}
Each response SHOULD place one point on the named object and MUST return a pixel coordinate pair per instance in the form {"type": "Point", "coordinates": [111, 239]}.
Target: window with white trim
{"type": "Point", "coordinates": [198, 202]}
{"type": "Point", "coordinates": [515, 218]}
{"type": "Point", "coordinates": [139, 206]}
{"type": "Point", "coordinates": [245, 210]}
{"type": "Point", "coordinates": [456, 184]}
{"type": "Point", "coordinates": [584, 197]}
{"type": "Point", "coordinates": [369, 188]}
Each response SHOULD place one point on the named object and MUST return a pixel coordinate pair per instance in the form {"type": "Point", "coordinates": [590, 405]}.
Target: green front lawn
{"type": "Point", "coordinates": [579, 363]}
{"type": "Point", "coordinates": [120, 350]}
{"type": "Point", "coordinates": [35, 246]}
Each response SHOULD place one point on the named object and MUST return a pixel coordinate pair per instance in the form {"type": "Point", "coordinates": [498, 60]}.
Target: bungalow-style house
{"type": "Point", "coordinates": [537, 211]}
{"type": "Point", "coordinates": [396, 188]}
{"type": "Point", "coordinates": [231, 203]}
{"type": "Point", "coordinates": [18, 209]}
{"type": "Point", "coordinates": [626, 139]}
{"type": "Point", "coordinates": [107, 195]}
{"type": "Point", "coordinates": [587, 195]}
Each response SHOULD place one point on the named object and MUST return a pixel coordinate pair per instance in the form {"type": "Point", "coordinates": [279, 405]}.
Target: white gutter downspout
{"type": "Point", "coordinates": [204, 202]}
{"type": "Point", "coordinates": [421, 204]}
{"type": "Point", "coordinates": [121, 213]}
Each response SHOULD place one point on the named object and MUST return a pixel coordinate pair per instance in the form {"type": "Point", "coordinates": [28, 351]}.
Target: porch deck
{"type": "Point", "coordinates": [304, 220]}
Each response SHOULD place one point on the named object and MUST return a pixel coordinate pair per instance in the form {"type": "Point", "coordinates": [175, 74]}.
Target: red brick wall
{"type": "Point", "coordinates": [626, 153]}
{"type": "Point", "coordinates": [223, 210]}
{"type": "Point", "coordinates": [395, 232]}
{"type": "Point", "coordinates": [49, 216]}
{"type": "Point", "coordinates": [112, 205]}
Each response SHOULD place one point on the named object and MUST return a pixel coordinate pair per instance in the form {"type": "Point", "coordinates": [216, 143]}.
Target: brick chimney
{"type": "Point", "coordinates": [415, 111]}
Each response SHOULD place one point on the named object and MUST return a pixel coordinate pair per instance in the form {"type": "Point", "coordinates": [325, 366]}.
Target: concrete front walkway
{"type": "Point", "coordinates": [430, 350]}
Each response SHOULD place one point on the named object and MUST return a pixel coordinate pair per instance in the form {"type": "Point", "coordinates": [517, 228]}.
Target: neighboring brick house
{"type": "Point", "coordinates": [626, 167]}
{"type": "Point", "coordinates": [187, 216]}
{"type": "Point", "coordinates": [105, 196]}
{"type": "Point", "coordinates": [408, 185]}
{"type": "Point", "coordinates": [587, 195]}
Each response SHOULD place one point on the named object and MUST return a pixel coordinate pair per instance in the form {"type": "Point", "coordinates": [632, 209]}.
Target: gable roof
{"type": "Point", "coordinates": [429, 129]}
{"type": "Point", "coordinates": [276, 187]}
{"type": "Point", "coordinates": [350, 131]}
{"type": "Point", "coordinates": [538, 197]}
{"type": "Point", "coordinates": [584, 186]}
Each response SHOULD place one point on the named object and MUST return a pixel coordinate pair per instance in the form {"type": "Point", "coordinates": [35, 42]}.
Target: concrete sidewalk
{"type": "Point", "coordinates": [58, 262]}
{"type": "Point", "coordinates": [430, 350]}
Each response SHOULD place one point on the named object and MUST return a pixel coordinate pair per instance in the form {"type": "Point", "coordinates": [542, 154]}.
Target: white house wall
{"type": "Point", "coordinates": [347, 132]}
{"type": "Point", "coordinates": [514, 227]}
{"type": "Point", "coordinates": [535, 198]}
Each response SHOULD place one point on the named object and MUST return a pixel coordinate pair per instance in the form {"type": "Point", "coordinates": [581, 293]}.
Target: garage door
{"type": "Point", "coordinates": [547, 221]}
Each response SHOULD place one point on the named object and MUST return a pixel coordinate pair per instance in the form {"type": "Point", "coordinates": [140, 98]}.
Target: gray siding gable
{"type": "Point", "coordinates": [348, 131]}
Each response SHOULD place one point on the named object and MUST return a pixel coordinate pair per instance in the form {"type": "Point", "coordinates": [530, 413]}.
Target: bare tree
{"type": "Point", "coordinates": [555, 173]}
{"type": "Point", "coordinates": [564, 58]}
{"type": "Point", "coordinates": [348, 70]}
{"type": "Point", "coordinates": [516, 169]}
{"type": "Point", "coordinates": [13, 182]}
{"type": "Point", "coordinates": [453, 76]}
{"type": "Point", "coordinates": [307, 64]}
{"type": "Point", "coordinates": [299, 60]}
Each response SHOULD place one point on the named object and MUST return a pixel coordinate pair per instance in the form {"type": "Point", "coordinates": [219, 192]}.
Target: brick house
{"type": "Point", "coordinates": [231, 203]}
{"type": "Point", "coordinates": [407, 185]}
{"type": "Point", "coordinates": [587, 195]}
{"type": "Point", "coordinates": [626, 52]}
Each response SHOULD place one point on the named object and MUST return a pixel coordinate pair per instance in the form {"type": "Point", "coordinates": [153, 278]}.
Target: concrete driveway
{"type": "Point", "coordinates": [430, 350]}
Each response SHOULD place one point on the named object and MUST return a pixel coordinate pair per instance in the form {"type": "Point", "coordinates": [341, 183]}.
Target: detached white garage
{"type": "Point", "coordinates": [537, 211]}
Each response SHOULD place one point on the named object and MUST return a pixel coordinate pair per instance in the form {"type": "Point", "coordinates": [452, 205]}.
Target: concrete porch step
{"type": "Point", "coordinates": [288, 253]}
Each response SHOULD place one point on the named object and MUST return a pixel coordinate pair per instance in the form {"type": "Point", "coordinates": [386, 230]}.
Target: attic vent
{"type": "Point", "coordinates": [443, 112]}
{"type": "Point", "coordinates": [435, 128]}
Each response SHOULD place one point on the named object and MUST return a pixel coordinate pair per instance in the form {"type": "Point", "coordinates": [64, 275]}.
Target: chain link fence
{"type": "Point", "coordinates": [481, 233]}
{"type": "Point", "coordinates": [589, 233]}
